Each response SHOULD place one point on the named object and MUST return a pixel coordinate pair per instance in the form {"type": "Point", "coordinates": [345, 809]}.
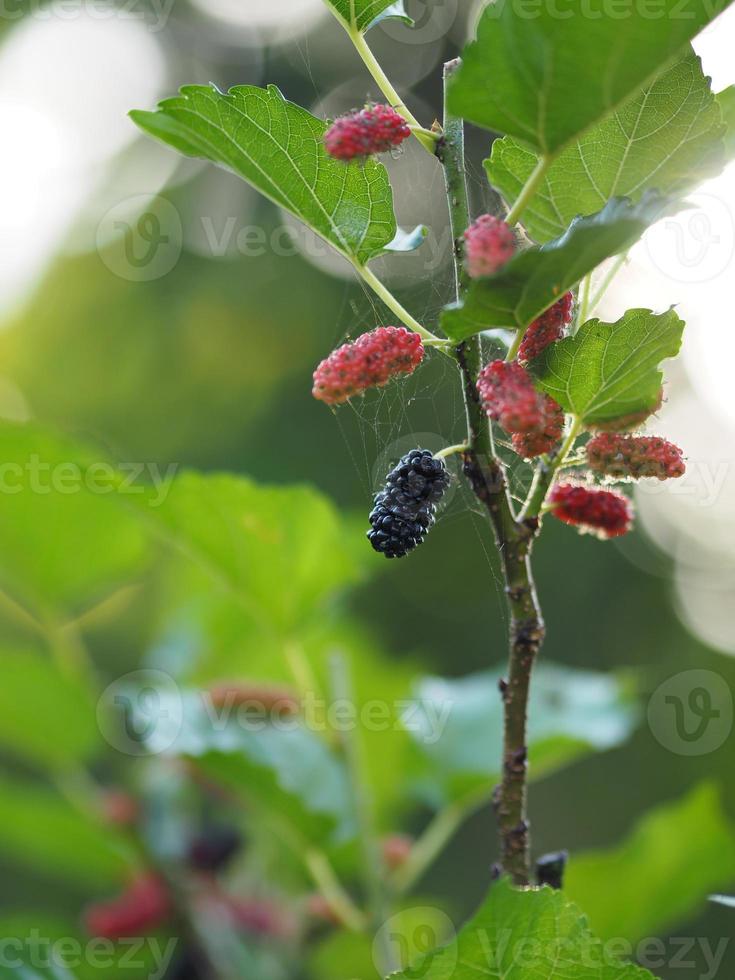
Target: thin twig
{"type": "Point", "coordinates": [513, 537]}
{"type": "Point", "coordinates": [331, 889]}
{"type": "Point", "coordinates": [546, 472]}
{"type": "Point", "coordinates": [381, 290]}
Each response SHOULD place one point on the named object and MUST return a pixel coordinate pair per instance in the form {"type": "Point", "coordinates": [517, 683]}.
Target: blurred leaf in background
{"type": "Point", "coordinates": [64, 543]}
{"type": "Point", "coordinates": [665, 868]}
{"type": "Point", "coordinates": [571, 713]}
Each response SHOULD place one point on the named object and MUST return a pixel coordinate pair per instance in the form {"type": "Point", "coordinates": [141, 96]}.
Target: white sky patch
{"type": "Point", "coordinates": [67, 80]}
{"type": "Point", "coordinates": [274, 20]}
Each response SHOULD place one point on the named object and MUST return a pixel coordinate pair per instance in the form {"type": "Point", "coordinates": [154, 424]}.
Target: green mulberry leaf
{"type": "Point", "coordinates": [534, 279]}
{"type": "Point", "coordinates": [726, 102]}
{"type": "Point", "coordinates": [361, 15]}
{"type": "Point", "coordinates": [610, 369]}
{"type": "Point", "coordinates": [278, 147]}
{"type": "Point", "coordinates": [533, 934]}
{"type": "Point", "coordinates": [281, 550]}
{"type": "Point", "coordinates": [46, 716]}
{"type": "Point", "coordinates": [546, 76]}
{"type": "Point", "coordinates": [663, 871]}
{"type": "Point", "coordinates": [286, 769]}
{"type": "Point", "coordinates": [667, 137]}
{"type": "Point", "coordinates": [572, 713]}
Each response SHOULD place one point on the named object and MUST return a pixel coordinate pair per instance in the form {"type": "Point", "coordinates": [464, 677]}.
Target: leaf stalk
{"type": "Point", "coordinates": [381, 290]}
{"type": "Point", "coordinates": [545, 473]}
{"type": "Point", "coordinates": [425, 137]}
{"type": "Point", "coordinates": [529, 189]}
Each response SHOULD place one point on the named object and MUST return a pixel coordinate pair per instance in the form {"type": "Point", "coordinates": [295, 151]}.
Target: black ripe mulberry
{"type": "Point", "coordinates": [405, 508]}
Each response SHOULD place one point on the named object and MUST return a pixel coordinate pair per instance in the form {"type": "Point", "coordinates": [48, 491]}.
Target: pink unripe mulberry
{"type": "Point", "coordinates": [488, 244]}
{"type": "Point", "coordinates": [605, 513]}
{"type": "Point", "coordinates": [119, 807]}
{"type": "Point", "coordinates": [375, 129]}
{"type": "Point", "coordinates": [620, 455]}
{"type": "Point", "coordinates": [318, 908]}
{"type": "Point", "coordinates": [508, 395]}
{"type": "Point", "coordinates": [546, 329]}
{"type": "Point", "coordinates": [396, 850]}
{"type": "Point", "coordinates": [254, 696]}
{"type": "Point", "coordinates": [627, 423]}
{"type": "Point", "coordinates": [368, 362]}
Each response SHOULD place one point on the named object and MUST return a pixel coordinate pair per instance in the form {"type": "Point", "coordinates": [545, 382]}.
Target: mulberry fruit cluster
{"type": "Point", "coordinates": [532, 417]}
{"type": "Point", "coordinates": [140, 909]}
{"type": "Point", "coordinates": [546, 329]}
{"type": "Point", "coordinates": [405, 508]}
{"type": "Point", "coordinates": [370, 361]}
{"type": "Point", "coordinates": [529, 445]}
{"type": "Point", "coordinates": [621, 455]}
{"type": "Point", "coordinates": [375, 129]}
{"type": "Point", "coordinates": [605, 513]}
{"type": "Point", "coordinates": [488, 243]}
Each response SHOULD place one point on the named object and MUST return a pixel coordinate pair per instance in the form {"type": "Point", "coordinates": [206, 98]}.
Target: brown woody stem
{"type": "Point", "coordinates": [514, 538]}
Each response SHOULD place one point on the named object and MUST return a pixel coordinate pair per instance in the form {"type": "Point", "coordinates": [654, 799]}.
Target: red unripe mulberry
{"type": "Point", "coordinates": [546, 329]}
{"type": "Point", "coordinates": [488, 244]}
{"type": "Point", "coordinates": [542, 440]}
{"type": "Point", "coordinates": [508, 395]}
{"type": "Point", "coordinates": [375, 129]}
{"type": "Point", "coordinates": [141, 908]}
{"type": "Point", "coordinates": [605, 513]}
{"type": "Point", "coordinates": [620, 455]}
{"type": "Point", "coordinates": [368, 362]}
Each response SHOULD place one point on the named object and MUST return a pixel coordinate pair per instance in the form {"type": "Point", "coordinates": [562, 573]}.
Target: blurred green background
{"type": "Point", "coordinates": [208, 365]}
